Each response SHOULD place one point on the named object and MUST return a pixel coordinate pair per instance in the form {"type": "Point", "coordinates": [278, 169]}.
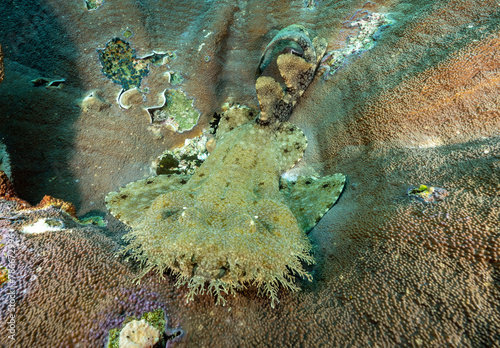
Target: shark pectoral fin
{"type": "Point", "coordinates": [130, 202]}
{"type": "Point", "coordinates": [309, 198]}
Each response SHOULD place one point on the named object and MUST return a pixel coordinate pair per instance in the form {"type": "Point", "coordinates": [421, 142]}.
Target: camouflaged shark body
{"type": "Point", "coordinates": [233, 222]}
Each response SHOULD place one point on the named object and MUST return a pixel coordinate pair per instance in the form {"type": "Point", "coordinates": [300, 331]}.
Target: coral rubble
{"type": "Point", "coordinates": [370, 27]}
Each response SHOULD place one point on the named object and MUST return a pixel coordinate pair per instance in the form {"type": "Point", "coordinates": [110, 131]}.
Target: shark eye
{"type": "Point", "coordinates": [168, 213]}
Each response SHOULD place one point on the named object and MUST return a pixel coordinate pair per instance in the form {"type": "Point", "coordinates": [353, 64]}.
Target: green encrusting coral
{"type": "Point", "coordinates": [120, 64]}
{"type": "Point", "coordinates": [177, 112]}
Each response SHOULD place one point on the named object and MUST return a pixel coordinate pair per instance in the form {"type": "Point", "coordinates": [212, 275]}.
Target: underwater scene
{"type": "Point", "coordinates": [249, 173]}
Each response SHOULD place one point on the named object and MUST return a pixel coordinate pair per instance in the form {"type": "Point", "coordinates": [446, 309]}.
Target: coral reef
{"type": "Point", "coordinates": [421, 106]}
{"type": "Point", "coordinates": [229, 224]}
{"type": "Point", "coordinates": [77, 289]}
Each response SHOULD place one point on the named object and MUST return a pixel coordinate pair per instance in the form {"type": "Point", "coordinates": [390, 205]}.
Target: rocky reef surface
{"type": "Point", "coordinates": [414, 104]}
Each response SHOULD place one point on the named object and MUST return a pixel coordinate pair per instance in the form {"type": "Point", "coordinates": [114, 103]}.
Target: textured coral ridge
{"type": "Point", "coordinates": [229, 224]}
{"type": "Point", "coordinates": [1, 64]}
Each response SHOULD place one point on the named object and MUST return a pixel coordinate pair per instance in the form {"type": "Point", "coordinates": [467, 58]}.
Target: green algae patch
{"type": "Point", "coordinates": [127, 33]}
{"type": "Point", "coordinates": [156, 319]}
{"type": "Point", "coordinates": [98, 221]}
{"type": "Point", "coordinates": [177, 112]}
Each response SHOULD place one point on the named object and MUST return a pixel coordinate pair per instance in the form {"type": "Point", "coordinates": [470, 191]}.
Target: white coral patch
{"type": "Point", "coordinates": [43, 225]}
{"type": "Point", "coordinates": [138, 334]}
